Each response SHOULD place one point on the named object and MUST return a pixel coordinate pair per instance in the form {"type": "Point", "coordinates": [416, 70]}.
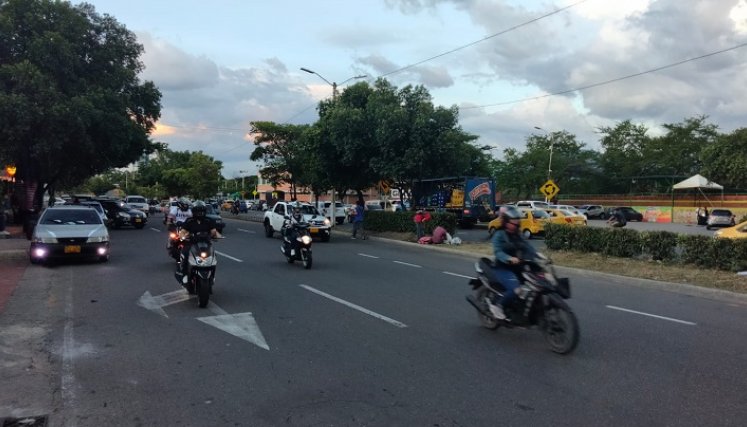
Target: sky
{"type": "Point", "coordinates": [222, 64]}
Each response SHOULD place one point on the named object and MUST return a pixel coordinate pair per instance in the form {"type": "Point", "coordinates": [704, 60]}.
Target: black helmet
{"type": "Point", "coordinates": [508, 213]}
{"type": "Point", "coordinates": [199, 210]}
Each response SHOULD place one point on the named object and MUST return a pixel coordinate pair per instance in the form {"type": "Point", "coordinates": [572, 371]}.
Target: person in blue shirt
{"type": "Point", "coordinates": [509, 248]}
{"type": "Point", "coordinates": [358, 220]}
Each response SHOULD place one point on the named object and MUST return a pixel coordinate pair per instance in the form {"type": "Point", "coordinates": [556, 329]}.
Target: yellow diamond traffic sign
{"type": "Point", "coordinates": [549, 189]}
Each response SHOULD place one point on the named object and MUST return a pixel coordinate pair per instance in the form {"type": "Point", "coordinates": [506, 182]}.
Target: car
{"type": "Point", "coordinates": [573, 209]}
{"type": "Point", "coordinates": [534, 204]}
{"type": "Point", "coordinates": [720, 218]}
{"type": "Point", "coordinates": [531, 224]}
{"type": "Point", "coordinates": [319, 226]}
{"type": "Point", "coordinates": [564, 216]}
{"type": "Point", "coordinates": [738, 231]}
{"type": "Point", "coordinates": [592, 211]}
{"type": "Point", "coordinates": [227, 205]}
{"type": "Point", "coordinates": [323, 207]}
{"type": "Point", "coordinates": [123, 214]}
{"type": "Point", "coordinates": [99, 209]}
{"type": "Point", "coordinates": [69, 231]}
{"type": "Point", "coordinates": [213, 214]}
{"type": "Point", "coordinates": [628, 212]}
{"type": "Point", "coordinates": [138, 202]}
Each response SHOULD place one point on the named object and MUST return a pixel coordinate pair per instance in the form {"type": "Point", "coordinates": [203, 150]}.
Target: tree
{"type": "Point", "coordinates": [71, 102]}
{"type": "Point", "coordinates": [724, 160]}
{"type": "Point", "coordinates": [279, 145]}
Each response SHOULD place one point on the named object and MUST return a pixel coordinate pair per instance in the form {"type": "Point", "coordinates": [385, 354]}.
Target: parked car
{"type": "Point", "coordinates": [533, 204]}
{"type": "Point", "coordinates": [629, 213]}
{"type": "Point", "coordinates": [573, 209]}
{"type": "Point", "coordinates": [339, 213]}
{"type": "Point", "coordinates": [123, 214]}
{"type": "Point", "coordinates": [738, 231]}
{"type": "Point", "coordinates": [564, 216]}
{"type": "Point", "coordinates": [213, 214]}
{"type": "Point", "coordinates": [69, 231]}
{"type": "Point", "coordinates": [531, 224]}
{"type": "Point", "coordinates": [138, 202]}
{"type": "Point", "coordinates": [593, 211]}
{"type": "Point", "coordinates": [720, 218]}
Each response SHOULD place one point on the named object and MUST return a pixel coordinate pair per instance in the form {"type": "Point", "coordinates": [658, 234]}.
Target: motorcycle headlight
{"type": "Point", "coordinates": [203, 255]}
{"type": "Point", "coordinates": [305, 240]}
{"type": "Point", "coordinates": [46, 240]}
{"type": "Point", "coordinates": [173, 236]}
{"type": "Point", "coordinates": [97, 239]}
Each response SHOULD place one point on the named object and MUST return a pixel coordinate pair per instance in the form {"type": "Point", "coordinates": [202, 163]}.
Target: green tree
{"type": "Point", "coordinates": [725, 161]}
{"type": "Point", "coordinates": [279, 146]}
{"type": "Point", "coordinates": [71, 102]}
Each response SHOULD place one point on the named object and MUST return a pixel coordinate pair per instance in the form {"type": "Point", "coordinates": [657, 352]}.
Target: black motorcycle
{"type": "Point", "coordinates": [540, 302]}
{"type": "Point", "coordinates": [297, 244]}
{"type": "Point", "coordinates": [174, 244]}
{"type": "Point", "coordinates": [201, 263]}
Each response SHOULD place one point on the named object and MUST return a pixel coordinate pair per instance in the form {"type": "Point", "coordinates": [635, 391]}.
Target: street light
{"type": "Point", "coordinates": [242, 179]}
{"type": "Point", "coordinates": [552, 144]}
{"type": "Point", "coordinates": [334, 98]}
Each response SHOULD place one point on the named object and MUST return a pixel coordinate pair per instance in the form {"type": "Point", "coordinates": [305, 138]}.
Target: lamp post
{"type": "Point", "coordinates": [334, 98]}
{"type": "Point", "coordinates": [552, 144]}
{"type": "Point", "coordinates": [242, 179]}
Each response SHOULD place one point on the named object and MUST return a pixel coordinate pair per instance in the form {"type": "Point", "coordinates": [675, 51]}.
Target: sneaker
{"type": "Point", "coordinates": [185, 279]}
{"type": "Point", "coordinates": [497, 311]}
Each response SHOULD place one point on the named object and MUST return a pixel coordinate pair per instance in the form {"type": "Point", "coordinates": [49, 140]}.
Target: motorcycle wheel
{"type": "Point", "coordinates": [203, 292]}
{"type": "Point", "coordinates": [560, 329]}
{"type": "Point", "coordinates": [488, 322]}
{"type": "Point", "coordinates": [306, 260]}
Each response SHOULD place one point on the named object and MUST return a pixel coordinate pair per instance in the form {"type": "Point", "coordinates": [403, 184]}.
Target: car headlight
{"type": "Point", "coordinates": [46, 240]}
{"type": "Point", "coordinates": [97, 239]}
{"type": "Point", "coordinates": [123, 215]}
{"type": "Point", "coordinates": [327, 221]}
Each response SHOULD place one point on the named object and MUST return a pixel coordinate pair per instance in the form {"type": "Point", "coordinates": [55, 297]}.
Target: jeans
{"type": "Point", "coordinates": [419, 229]}
{"type": "Point", "coordinates": [357, 225]}
{"type": "Point", "coordinates": [510, 283]}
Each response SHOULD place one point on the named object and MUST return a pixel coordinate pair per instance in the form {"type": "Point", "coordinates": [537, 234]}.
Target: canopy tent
{"type": "Point", "coordinates": [699, 183]}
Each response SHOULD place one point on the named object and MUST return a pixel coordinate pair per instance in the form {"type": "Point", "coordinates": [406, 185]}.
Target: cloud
{"type": "Point", "coordinates": [163, 60]}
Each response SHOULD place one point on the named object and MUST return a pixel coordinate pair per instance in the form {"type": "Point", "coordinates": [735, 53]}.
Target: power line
{"type": "Point", "coordinates": [606, 82]}
{"type": "Point", "coordinates": [515, 27]}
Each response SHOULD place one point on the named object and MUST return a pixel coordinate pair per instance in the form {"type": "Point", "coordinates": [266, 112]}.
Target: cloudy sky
{"type": "Point", "coordinates": [223, 63]}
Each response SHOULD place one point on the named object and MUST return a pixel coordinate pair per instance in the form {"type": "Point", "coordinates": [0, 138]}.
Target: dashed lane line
{"type": "Point", "coordinates": [355, 307]}
{"type": "Point", "coordinates": [228, 256]}
{"type": "Point", "coordinates": [684, 322]}
{"type": "Point", "coordinates": [369, 256]}
{"type": "Point", "coordinates": [407, 264]}
{"type": "Point", "coordinates": [457, 275]}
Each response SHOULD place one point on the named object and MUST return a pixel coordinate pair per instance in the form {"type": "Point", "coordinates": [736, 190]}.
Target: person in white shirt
{"type": "Point", "coordinates": [179, 213]}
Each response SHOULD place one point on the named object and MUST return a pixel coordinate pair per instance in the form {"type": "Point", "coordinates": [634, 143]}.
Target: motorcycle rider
{"type": "Point", "coordinates": [617, 219]}
{"type": "Point", "coordinates": [509, 247]}
{"type": "Point", "coordinates": [197, 223]}
{"type": "Point", "coordinates": [181, 212]}
{"type": "Point", "coordinates": [289, 231]}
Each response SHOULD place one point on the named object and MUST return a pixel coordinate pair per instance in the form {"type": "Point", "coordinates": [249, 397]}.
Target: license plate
{"type": "Point", "coordinates": [138, 220]}
{"type": "Point", "coordinates": [314, 230]}
{"type": "Point", "coordinates": [72, 249]}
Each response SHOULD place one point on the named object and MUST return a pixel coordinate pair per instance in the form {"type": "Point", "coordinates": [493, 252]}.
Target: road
{"type": "Point", "coordinates": [377, 333]}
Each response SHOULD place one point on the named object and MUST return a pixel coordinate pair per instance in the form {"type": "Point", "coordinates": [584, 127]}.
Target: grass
{"type": "Point", "coordinates": [643, 269]}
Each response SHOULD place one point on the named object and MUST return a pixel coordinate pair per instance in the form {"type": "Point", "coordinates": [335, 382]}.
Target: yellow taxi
{"type": "Point", "coordinates": [227, 205]}
{"type": "Point", "coordinates": [564, 216]}
{"type": "Point", "coordinates": [531, 224]}
{"type": "Point", "coordinates": [738, 231]}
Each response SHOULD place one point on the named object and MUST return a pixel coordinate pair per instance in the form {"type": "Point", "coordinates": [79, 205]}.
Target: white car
{"type": "Point", "coordinates": [69, 231]}
{"type": "Point", "coordinates": [339, 211]}
{"type": "Point", "coordinates": [138, 202]}
{"type": "Point", "coordinates": [275, 217]}
{"type": "Point", "coordinates": [534, 204]}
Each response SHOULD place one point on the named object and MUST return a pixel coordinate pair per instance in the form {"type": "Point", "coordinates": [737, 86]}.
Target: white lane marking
{"type": "Point", "coordinates": [241, 325]}
{"type": "Point", "coordinates": [155, 229]}
{"type": "Point", "coordinates": [228, 256]}
{"type": "Point", "coordinates": [247, 231]}
{"type": "Point", "coordinates": [356, 307]}
{"type": "Point", "coordinates": [408, 264]}
{"type": "Point", "coordinates": [155, 303]}
{"type": "Point", "coordinates": [652, 315]}
{"type": "Point", "coordinates": [458, 275]}
{"type": "Point", "coordinates": [368, 256]}
{"type": "Point", "coordinates": [68, 350]}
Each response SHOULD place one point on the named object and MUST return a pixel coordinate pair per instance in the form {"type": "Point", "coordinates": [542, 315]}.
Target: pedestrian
{"type": "Point", "coordinates": [420, 218]}
{"type": "Point", "coordinates": [358, 220]}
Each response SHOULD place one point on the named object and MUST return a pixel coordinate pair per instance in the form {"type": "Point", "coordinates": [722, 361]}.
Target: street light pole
{"type": "Point", "coordinates": [334, 99]}
{"type": "Point", "coordinates": [552, 144]}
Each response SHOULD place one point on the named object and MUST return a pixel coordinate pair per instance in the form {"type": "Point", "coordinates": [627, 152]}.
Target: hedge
{"type": "Point", "coordinates": [665, 246]}
{"type": "Point", "coordinates": [402, 222]}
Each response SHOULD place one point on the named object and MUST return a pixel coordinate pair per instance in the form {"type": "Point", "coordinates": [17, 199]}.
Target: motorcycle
{"type": "Point", "coordinates": [299, 233]}
{"type": "Point", "coordinates": [175, 244]}
{"type": "Point", "coordinates": [201, 262]}
{"type": "Point", "coordinates": [540, 302]}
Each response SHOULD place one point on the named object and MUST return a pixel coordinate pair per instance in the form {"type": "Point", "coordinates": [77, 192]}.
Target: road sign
{"type": "Point", "coordinates": [549, 189]}
{"type": "Point", "coordinates": [254, 193]}
{"type": "Point", "coordinates": [384, 186]}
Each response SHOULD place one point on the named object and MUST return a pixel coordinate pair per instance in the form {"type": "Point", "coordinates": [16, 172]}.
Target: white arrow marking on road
{"type": "Point", "coordinates": [369, 256]}
{"type": "Point", "coordinates": [651, 315]}
{"type": "Point", "coordinates": [408, 264]}
{"type": "Point", "coordinates": [355, 306]}
{"type": "Point", "coordinates": [241, 325]}
{"type": "Point", "coordinates": [154, 303]}
{"type": "Point", "coordinates": [247, 231]}
{"type": "Point", "coordinates": [457, 275]}
{"type": "Point", "coordinates": [155, 229]}
{"type": "Point", "coordinates": [228, 256]}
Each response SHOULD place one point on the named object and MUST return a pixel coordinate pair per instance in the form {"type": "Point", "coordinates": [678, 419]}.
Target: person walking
{"type": "Point", "coordinates": [358, 220]}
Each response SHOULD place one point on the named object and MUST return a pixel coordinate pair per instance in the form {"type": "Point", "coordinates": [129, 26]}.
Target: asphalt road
{"type": "Point", "coordinates": [376, 333]}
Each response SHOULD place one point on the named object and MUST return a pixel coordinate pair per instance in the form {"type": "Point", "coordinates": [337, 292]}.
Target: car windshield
{"type": "Point", "coordinates": [540, 214]}
{"type": "Point", "coordinates": [96, 206]}
{"type": "Point", "coordinates": [309, 210]}
{"type": "Point", "coordinates": [719, 212]}
{"type": "Point", "coordinates": [136, 200]}
{"type": "Point", "coordinates": [70, 216]}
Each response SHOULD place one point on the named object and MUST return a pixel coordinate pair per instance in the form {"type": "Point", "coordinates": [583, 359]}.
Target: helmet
{"type": "Point", "coordinates": [199, 210]}
{"type": "Point", "coordinates": [509, 213]}
{"type": "Point", "coordinates": [183, 204]}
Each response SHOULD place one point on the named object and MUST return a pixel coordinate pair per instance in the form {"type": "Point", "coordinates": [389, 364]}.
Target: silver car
{"type": "Point", "coordinates": [720, 218]}
{"type": "Point", "coordinates": [69, 231]}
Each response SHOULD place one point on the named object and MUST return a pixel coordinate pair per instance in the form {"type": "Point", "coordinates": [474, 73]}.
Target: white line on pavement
{"type": "Point", "coordinates": [228, 256]}
{"type": "Point", "coordinates": [368, 256]}
{"type": "Point", "coordinates": [457, 275]}
{"type": "Point", "coordinates": [408, 264]}
{"type": "Point", "coordinates": [155, 229]}
{"type": "Point", "coordinates": [354, 306]}
{"type": "Point", "coordinates": [247, 231]}
{"type": "Point", "coordinates": [652, 315]}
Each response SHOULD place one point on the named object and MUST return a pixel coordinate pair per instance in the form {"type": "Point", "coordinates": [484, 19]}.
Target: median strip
{"type": "Point", "coordinates": [356, 307]}
{"type": "Point", "coordinates": [685, 322]}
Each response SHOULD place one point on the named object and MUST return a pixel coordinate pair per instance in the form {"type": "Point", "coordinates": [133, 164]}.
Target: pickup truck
{"type": "Point", "coordinates": [274, 218]}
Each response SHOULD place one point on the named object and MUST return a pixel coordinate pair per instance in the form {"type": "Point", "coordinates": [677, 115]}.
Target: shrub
{"type": "Point", "coordinates": [660, 245]}
{"type": "Point", "coordinates": [621, 242]}
{"type": "Point", "coordinates": [402, 222]}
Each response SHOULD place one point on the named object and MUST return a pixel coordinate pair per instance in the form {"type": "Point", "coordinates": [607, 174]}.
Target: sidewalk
{"type": "Point", "coordinates": [13, 261]}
